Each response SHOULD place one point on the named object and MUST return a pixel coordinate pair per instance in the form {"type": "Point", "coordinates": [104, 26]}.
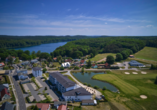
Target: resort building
{"type": "Point", "coordinates": [37, 72]}
{"type": "Point", "coordinates": [69, 89]}
{"type": "Point", "coordinates": [65, 65]}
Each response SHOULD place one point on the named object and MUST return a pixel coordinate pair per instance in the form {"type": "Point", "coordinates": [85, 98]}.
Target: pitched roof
{"type": "Point", "coordinates": [7, 106]}
{"type": "Point", "coordinates": [21, 72]}
{"type": "Point", "coordinates": [2, 86]}
{"type": "Point", "coordinates": [4, 91]}
{"type": "Point", "coordinates": [62, 107]}
{"type": "Point", "coordinates": [36, 68]}
{"type": "Point", "coordinates": [82, 61]}
{"type": "Point", "coordinates": [77, 92]}
{"type": "Point", "coordinates": [43, 106]}
{"type": "Point", "coordinates": [2, 64]}
{"type": "Point", "coordinates": [93, 64]}
{"type": "Point", "coordinates": [62, 79]}
{"type": "Point", "coordinates": [55, 58]}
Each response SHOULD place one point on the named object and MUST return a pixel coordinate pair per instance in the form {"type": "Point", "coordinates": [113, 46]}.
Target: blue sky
{"type": "Point", "coordinates": [78, 17]}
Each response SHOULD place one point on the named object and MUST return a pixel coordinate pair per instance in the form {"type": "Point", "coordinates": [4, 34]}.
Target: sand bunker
{"type": "Point", "coordinates": [134, 73]}
{"type": "Point", "coordinates": [142, 72]}
{"type": "Point", "coordinates": [127, 73]}
{"type": "Point", "coordinates": [143, 96]}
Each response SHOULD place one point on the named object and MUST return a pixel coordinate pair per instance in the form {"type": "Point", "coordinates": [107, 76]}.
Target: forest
{"type": "Point", "coordinates": [93, 46]}
{"type": "Point", "coordinates": [24, 41]}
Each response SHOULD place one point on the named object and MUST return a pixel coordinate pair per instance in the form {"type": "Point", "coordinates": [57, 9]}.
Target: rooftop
{"type": "Point", "coordinates": [62, 79]}
{"type": "Point", "coordinates": [87, 101]}
{"type": "Point", "coordinates": [43, 106]}
{"type": "Point", "coordinates": [7, 106]}
{"type": "Point", "coordinates": [77, 92]}
{"type": "Point", "coordinates": [62, 107]}
{"type": "Point", "coordinates": [36, 68]}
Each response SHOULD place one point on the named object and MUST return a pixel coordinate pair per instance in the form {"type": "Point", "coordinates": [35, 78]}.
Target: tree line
{"type": "Point", "coordinates": [24, 41]}
{"type": "Point", "coordinates": [92, 46]}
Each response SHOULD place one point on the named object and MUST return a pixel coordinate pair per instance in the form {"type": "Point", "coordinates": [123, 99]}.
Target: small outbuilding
{"type": "Point", "coordinates": [66, 64]}
{"type": "Point", "coordinates": [131, 56]}
{"type": "Point", "coordinates": [89, 102]}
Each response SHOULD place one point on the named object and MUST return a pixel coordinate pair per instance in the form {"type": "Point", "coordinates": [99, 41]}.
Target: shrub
{"type": "Point", "coordinates": [104, 88]}
{"type": "Point", "coordinates": [89, 85]}
{"type": "Point", "coordinates": [155, 80]}
{"type": "Point", "coordinates": [85, 83]}
{"type": "Point", "coordinates": [76, 68]}
{"type": "Point", "coordinates": [61, 68]}
{"type": "Point", "coordinates": [44, 70]}
{"type": "Point", "coordinates": [96, 87]}
{"type": "Point", "coordinates": [45, 88]}
{"type": "Point", "coordinates": [114, 67]}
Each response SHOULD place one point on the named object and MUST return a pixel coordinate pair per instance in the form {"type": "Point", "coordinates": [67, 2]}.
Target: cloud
{"type": "Point", "coordinates": [68, 9]}
{"type": "Point", "coordinates": [105, 22]}
{"type": "Point", "coordinates": [149, 26]}
{"type": "Point", "coordinates": [129, 26]}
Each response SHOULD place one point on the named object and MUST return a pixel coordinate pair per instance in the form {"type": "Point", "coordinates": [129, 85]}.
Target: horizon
{"type": "Point", "coordinates": [88, 18]}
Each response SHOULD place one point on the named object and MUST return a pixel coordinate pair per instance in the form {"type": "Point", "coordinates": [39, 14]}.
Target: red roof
{"type": "Point", "coordinates": [68, 60]}
{"type": "Point", "coordinates": [4, 91]}
{"type": "Point", "coordinates": [55, 58]}
{"type": "Point", "coordinates": [2, 64]}
{"type": "Point", "coordinates": [93, 64]}
{"type": "Point", "coordinates": [43, 106]}
{"type": "Point", "coordinates": [106, 64]}
{"type": "Point", "coordinates": [82, 61]}
{"type": "Point", "coordinates": [62, 107]}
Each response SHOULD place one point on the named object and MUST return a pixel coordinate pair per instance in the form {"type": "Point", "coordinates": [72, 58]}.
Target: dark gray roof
{"type": "Point", "coordinates": [62, 79]}
{"type": "Point", "coordinates": [77, 92]}
{"type": "Point", "coordinates": [135, 62]}
{"type": "Point", "coordinates": [36, 68]}
{"type": "Point", "coordinates": [87, 101]}
{"type": "Point", "coordinates": [2, 87]}
{"type": "Point", "coordinates": [7, 106]}
{"type": "Point", "coordinates": [59, 103]}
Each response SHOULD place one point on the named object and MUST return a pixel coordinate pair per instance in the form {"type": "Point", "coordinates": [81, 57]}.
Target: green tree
{"type": "Point", "coordinates": [153, 67]}
{"type": "Point", "coordinates": [76, 68]}
{"type": "Point", "coordinates": [110, 59]}
{"type": "Point", "coordinates": [27, 52]}
{"type": "Point", "coordinates": [119, 57]}
{"type": "Point", "coordinates": [96, 87]}
{"type": "Point", "coordinates": [89, 64]}
{"type": "Point", "coordinates": [155, 80]}
{"type": "Point", "coordinates": [89, 85]}
{"type": "Point", "coordinates": [44, 70]}
{"type": "Point", "coordinates": [45, 88]}
{"type": "Point", "coordinates": [38, 53]}
{"type": "Point", "coordinates": [10, 59]}
{"type": "Point", "coordinates": [17, 60]}
{"type": "Point", "coordinates": [104, 88]}
{"type": "Point", "coordinates": [24, 56]}
{"type": "Point", "coordinates": [82, 70]}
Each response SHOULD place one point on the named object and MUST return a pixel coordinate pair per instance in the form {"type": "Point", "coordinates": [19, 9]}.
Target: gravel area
{"type": "Point", "coordinates": [34, 86]}
{"type": "Point", "coordinates": [25, 87]}
{"type": "Point", "coordinates": [42, 97]}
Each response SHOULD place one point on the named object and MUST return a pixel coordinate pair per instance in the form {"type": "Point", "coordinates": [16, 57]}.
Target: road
{"type": "Point", "coordinates": [21, 100]}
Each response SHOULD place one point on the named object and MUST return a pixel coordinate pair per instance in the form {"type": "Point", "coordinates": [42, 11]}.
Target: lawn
{"type": "Point", "coordinates": [101, 56]}
{"type": "Point", "coordinates": [139, 84]}
{"type": "Point", "coordinates": [70, 78]}
{"type": "Point", "coordinates": [56, 64]}
{"type": "Point", "coordinates": [148, 53]}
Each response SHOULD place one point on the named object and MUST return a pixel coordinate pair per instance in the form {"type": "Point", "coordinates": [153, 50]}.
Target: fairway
{"type": "Point", "coordinates": [122, 85]}
{"type": "Point", "coordinates": [101, 56]}
{"type": "Point", "coordinates": [148, 53]}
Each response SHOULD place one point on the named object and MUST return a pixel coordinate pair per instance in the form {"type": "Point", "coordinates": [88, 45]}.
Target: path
{"type": "Point", "coordinates": [104, 59]}
{"type": "Point", "coordinates": [97, 93]}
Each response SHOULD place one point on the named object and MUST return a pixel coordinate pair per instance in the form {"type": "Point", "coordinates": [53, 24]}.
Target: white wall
{"type": "Point", "coordinates": [86, 97]}
{"type": "Point", "coordinates": [37, 73]}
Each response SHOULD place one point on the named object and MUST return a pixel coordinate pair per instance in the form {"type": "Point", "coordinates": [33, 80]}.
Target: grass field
{"type": "Point", "coordinates": [101, 56]}
{"type": "Point", "coordinates": [70, 78]}
{"type": "Point", "coordinates": [148, 53]}
{"type": "Point", "coordinates": [131, 87]}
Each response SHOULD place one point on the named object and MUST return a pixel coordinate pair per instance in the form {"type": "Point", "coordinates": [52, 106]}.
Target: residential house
{"type": "Point", "coordinates": [43, 106]}
{"type": "Point", "coordinates": [25, 63]}
{"type": "Point", "coordinates": [62, 107]}
{"type": "Point", "coordinates": [68, 60]}
{"type": "Point", "coordinates": [2, 65]}
{"type": "Point", "coordinates": [69, 89]}
{"type": "Point", "coordinates": [131, 56]}
{"type": "Point", "coordinates": [106, 65]}
{"type": "Point", "coordinates": [7, 106]}
{"type": "Point", "coordinates": [4, 94]}
{"type": "Point", "coordinates": [34, 61]}
{"type": "Point", "coordinates": [65, 65]}
{"type": "Point", "coordinates": [37, 72]}
{"type": "Point", "coordinates": [7, 59]}
{"type": "Point", "coordinates": [83, 62]}
{"type": "Point", "coordinates": [58, 103]}
{"type": "Point", "coordinates": [94, 66]}
{"type": "Point", "coordinates": [22, 74]}
{"type": "Point", "coordinates": [135, 63]}
{"type": "Point", "coordinates": [89, 102]}
{"type": "Point", "coordinates": [55, 59]}
{"type": "Point", "coordinates": [76, 64]}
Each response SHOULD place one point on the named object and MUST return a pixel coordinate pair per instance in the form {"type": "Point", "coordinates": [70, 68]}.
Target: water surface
{"type": "Point", "coordinates": [50, 47]}
{"type": "Point", "coordinates": [87, 78]}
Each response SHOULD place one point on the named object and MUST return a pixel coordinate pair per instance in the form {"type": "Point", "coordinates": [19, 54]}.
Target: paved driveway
{"type": "Point", "coordinates": [44, 84]}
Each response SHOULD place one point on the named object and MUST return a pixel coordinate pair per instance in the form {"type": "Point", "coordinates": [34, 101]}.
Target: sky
{"type": "Point", "coordinates": [78, 17]}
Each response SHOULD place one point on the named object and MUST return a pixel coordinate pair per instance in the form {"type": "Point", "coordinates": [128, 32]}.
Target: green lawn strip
{"type": "Point", "coordinates": [148, 53]}
{"type": "Point", "coordinates": [122, 85]}
{"type": "Point", "coordinates": [101, 56]}
{"type": "Point", "coordinates": [148, 91]}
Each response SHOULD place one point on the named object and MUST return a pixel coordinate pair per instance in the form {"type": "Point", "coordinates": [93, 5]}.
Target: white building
{"type": "Point", "coordinates": [66, 64]}
{"type": "Point", "coordinates": [22, 74]}
{"type": "Point", "coordinates": [69, 89]}
{"type": "Point", "coordinates": [36, 71]}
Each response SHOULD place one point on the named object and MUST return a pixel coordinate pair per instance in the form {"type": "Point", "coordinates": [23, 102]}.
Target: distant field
{"type": "Point", "coordinates": [131, 87]}
{"type": "Point", "coordinates": [148, 53]}
{"type": "Point", "coordinates": [101, 56]}
{"type": "Point", "coordinates": [123, 86]}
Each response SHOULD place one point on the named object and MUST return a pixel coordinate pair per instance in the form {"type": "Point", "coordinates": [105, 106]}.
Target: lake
{"type": "Point", "coordinates": [50, 47]}
{"type": "Point", "coordinates": [87, 78]}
